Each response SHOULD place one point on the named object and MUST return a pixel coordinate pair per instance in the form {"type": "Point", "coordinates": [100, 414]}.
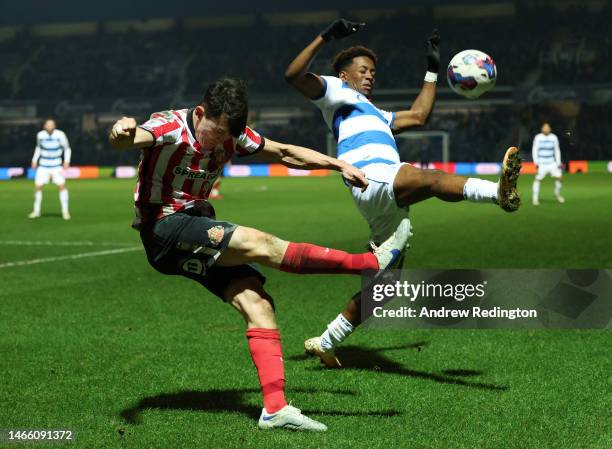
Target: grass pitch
{"type": "Point", "coordinates": [126, 357]}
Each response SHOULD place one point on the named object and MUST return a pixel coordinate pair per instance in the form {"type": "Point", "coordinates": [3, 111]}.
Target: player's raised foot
{"type": "Point", "coordinates": [34, 215]}
{"type": "Point", "coordinates": [508, 196]}
{"type": "Point", "coordinates": [560, 199]}
{"type": "Point", "coordinates": [289, 418]}
{"type": "Point", "coordinates": [66, 216]}
{"type": "Point", "coordinates": [313, 347]}
{"type": "Point", "coordinates": [389, 252]}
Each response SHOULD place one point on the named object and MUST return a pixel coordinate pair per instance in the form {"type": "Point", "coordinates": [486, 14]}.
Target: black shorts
{"type": "Point", "coordinates": [188, 244]}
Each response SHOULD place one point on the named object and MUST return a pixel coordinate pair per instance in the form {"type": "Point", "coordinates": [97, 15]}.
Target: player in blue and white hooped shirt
{"type": "Point", "coordinates": [365, 139]}
{"type": "Point", "coordinates": [547, 157]}
{"type": "Point", "coordinates": [51, 156]}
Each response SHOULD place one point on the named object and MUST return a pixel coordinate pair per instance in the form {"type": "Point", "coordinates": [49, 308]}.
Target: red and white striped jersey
{"type": "Point", "coordinates": [176, 172]}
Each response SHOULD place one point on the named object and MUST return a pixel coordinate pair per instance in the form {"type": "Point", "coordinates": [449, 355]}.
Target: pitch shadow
{"type": "Point", "coordinates": [371, 359]}
{"type": "Point", "coordinates": [230, 400]}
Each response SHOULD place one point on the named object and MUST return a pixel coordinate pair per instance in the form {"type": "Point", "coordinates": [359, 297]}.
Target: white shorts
{"type": "Point", "coordinates": [548, 169]}
{"type": "Point", "coordinates": [377, 204]}
{"type": "Point", "coordinates": [44, 174]}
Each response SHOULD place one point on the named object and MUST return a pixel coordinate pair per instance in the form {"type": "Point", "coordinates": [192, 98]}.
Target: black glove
{"type": "Point", "coordinates": [341, 28]}
{"type": "Point", "coordinates": [433, 52]}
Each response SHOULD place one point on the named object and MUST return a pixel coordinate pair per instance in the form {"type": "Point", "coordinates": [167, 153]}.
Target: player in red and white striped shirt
{"type": "Point", "coordinates": [179, 171]}
{"type": "Point", "coordinates": [183, 152]}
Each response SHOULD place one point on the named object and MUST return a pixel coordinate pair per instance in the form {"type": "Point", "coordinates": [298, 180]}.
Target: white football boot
{"type": "Point", "coordinates": [289, 418]}
{"type": "Point", "coordinates": [328, 358]}
{"type": "Point", "coordinates": [389, 252]}
{"type": "Point", "coordinates": [34, 215]}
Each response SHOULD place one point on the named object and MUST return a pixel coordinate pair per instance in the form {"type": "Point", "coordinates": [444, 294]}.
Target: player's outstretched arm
{"type": "Point", "coordinates": [297, 74]}
{"type": "Point", "coordinates": [294, 156]}
{"type": "Point", "coordinates": [125, 135]}
{"type": "Point", "coordinates": [418, 114]}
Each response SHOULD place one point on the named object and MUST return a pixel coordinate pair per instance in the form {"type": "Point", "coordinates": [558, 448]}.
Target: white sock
{"type": "Point", "coordinates": [336, 332]}
{"type": "Point", "coordinates": [63, 195]}
{"type": "Point", "coordinates": [480, 191]}
{"type": "Point", "coordinates": [37, 201]}
{"type": "Point", "coordinates": [557, 187]}
{"type": "Point", "coordinates": [536, 190]}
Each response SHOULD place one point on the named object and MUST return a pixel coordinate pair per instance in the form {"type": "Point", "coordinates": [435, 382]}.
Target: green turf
{"type": "Point", "coordinates": [130, 358]}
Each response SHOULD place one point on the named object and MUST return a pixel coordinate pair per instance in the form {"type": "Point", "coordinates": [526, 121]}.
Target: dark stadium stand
{"type": "Point", "coordinates": [535, 46]}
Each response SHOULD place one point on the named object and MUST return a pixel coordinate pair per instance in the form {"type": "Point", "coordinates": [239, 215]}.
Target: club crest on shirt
{"type": "Point", "coordinates": [215, 235]}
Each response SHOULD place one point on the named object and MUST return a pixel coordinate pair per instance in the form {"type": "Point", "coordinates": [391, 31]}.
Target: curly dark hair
{"type": "Point", "coordinates": [228, 96]}
{"type": "Point", "coordinates": [345, 58]}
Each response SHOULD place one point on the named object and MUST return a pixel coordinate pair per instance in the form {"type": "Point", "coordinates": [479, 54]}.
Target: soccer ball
{"type": "Point", "coordinates": [471, 73]}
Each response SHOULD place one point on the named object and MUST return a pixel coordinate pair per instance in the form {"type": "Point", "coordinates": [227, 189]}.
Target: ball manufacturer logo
{"type": "Point", "coordinates": [215, 235]}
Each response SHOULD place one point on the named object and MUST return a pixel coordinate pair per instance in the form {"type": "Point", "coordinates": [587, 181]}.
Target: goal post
{"type": "Point", "coordinates": [419, 146]}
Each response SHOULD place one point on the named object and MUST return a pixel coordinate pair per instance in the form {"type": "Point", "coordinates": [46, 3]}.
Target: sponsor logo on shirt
{"type": "Point", "coordinates": [194, 174]}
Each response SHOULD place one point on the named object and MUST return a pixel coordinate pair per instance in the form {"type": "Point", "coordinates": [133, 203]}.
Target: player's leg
{"type": "Point", "coordinates": [412, 185]}
{"type": "Point", "coordinates": [378, 207]}
{"type": "Point", "coordinates": [63, 197]}
{"type": "Point", "coordinates": [248, 296]}
{"type": "Point", "coordinates": [537, 181]}
{"type": "Point", "coordinates": [558, 177]}
{"type": "Point", "coordinates": [226, 244]}
{"type": "Point", "coordinates": [60, 181]}
{"type": "Point", "coordinates": [251, 245]}
{"type": "Point", "coordinates": [558, 185]}
{"type": "Point", "coordinates": [37, 202]}
{"type": "Point", "coordinates": [338, 330]}
{"type": "Point", "coordinates": [41, 178]}
{"type": "Point", "coordinates": [175, 246]}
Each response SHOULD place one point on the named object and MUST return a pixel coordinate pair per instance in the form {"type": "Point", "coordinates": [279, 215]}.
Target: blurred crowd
{"type": "Point", "coordinates": [536, 46]}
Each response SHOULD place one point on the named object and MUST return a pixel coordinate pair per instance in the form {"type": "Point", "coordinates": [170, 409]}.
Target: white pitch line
{"type": "Point", "coordinates": [21, 263]}
{"type": "Point", "coordinates": [58, 243]}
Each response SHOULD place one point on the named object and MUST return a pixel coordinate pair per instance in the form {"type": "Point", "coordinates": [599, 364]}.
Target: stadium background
{"type": "Point", "coordinates": [86, 67]}
{"type": "Point", "coordinates": [97, 341]}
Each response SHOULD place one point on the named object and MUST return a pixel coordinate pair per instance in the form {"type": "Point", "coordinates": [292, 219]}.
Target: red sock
{"type": "Point", "coordinates": [267, 353]}
{"type": "Point", "coordinates": [304, 258]}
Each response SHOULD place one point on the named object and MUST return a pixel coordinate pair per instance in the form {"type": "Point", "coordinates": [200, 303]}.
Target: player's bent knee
{"type": "Point", "coordinates": [250, 299]}
{"type": "Point", "coordinates": [409, 184]}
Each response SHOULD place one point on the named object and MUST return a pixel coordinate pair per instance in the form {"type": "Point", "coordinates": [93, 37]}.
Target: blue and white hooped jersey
{"type": "Point", "coordinates": [546, 149]}
{"type": "Point", "coordinates": [363, 131]}
{"type": "Point", "coordinates": [50, 148]}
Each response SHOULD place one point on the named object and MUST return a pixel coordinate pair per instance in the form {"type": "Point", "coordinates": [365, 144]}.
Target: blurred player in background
{"type": "Point", "coordinates": [183, 152]}
{"type": "Point", "coordinates": [547, 157]}
{"type": "Point", "coordinates": [51, 155]}
{"type": "Point", "coordinates": [365, 140]}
